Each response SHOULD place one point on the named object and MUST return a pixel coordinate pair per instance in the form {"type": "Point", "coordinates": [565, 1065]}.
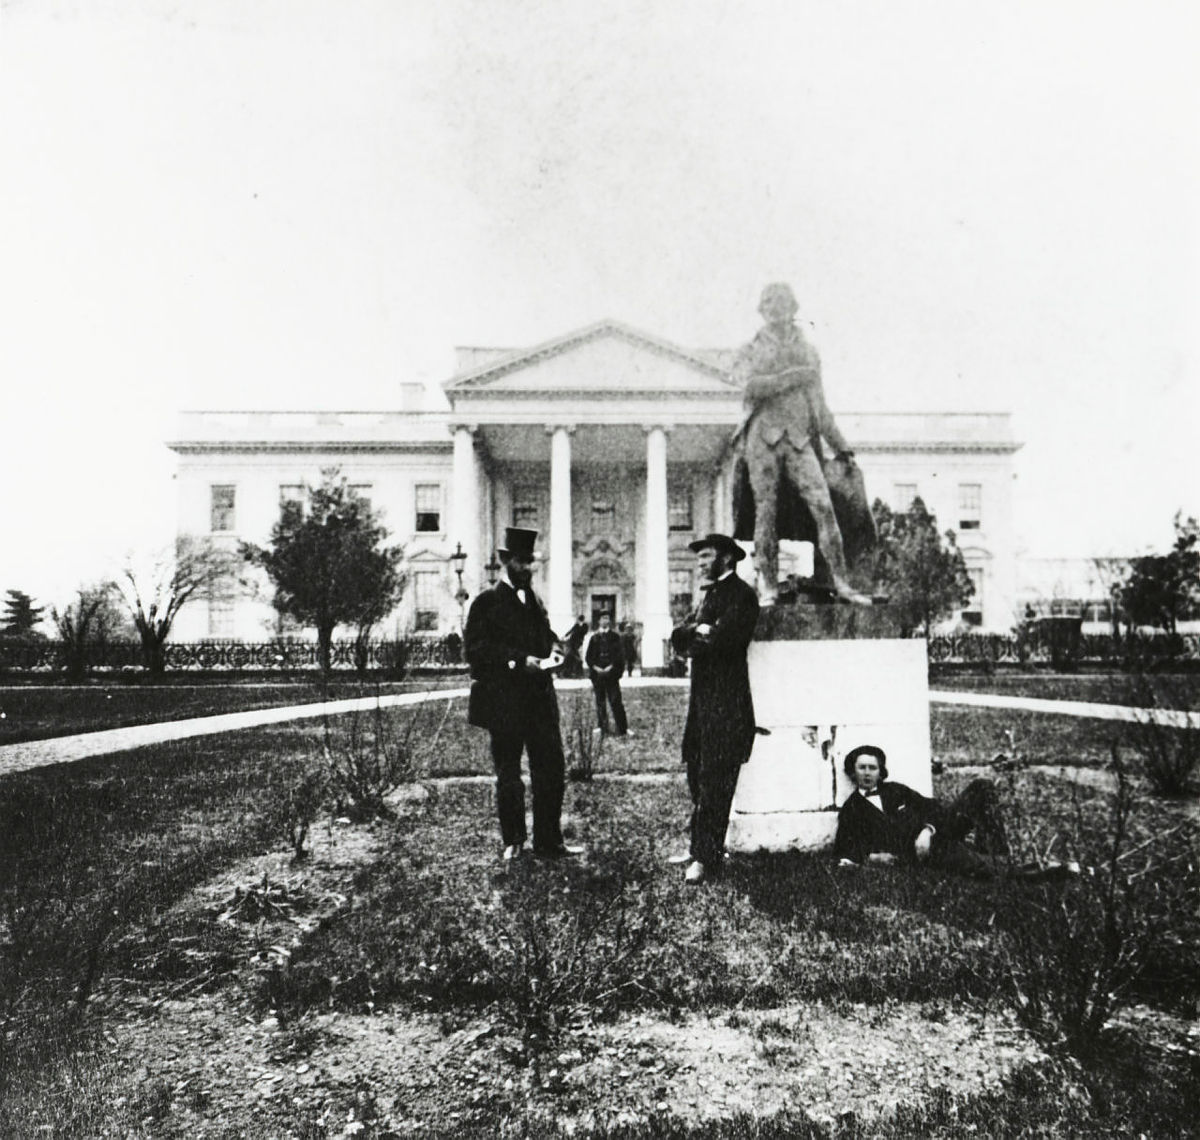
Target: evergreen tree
{"type": "Point", "coordinates": [21, 616]}
{"type": "Point", "coordinates": [921, 572]}
{"type": "Point", "coordinates": [1163, 589]}
{"type": "Point", "coordinates": [329, 563]}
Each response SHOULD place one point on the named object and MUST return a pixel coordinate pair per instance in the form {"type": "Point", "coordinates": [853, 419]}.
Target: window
{"type": "Point", "coordinates": [223, 497]}
{"type": "Point", "coordinates": [679, 507]}
{"type": "Point", "coordinates": [525, 508]}
{"type": "Point", "coordinates": [220, 617]}
{"type": "Point", "coordinates": [680, 588]}
{"type": "Point", "coordinates": [362, 491]}
{"type": "Point", "coordinates": [604, 516]}
{"type": "Point", "coordinates": [291, 499]}
{"type": "Point", "coordinates": [970, 501]}
{"type": "Point", "coordinates": [426, 596]}
{"type": "Point", "coordinates": [902, 497]}
{"type": "Point", "coordinates": [429, 508]}
{"type": "Point", "coordinates": [973, 612]}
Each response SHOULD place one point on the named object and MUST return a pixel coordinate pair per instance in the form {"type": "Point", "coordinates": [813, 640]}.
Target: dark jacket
{"type": "Point", "coordinates": [720, 718]}
{"type": "Point", "coordinates": [605, 649]}
{"type": "Point", "coordinates": [863, 829]}
{"type": "Point", "coordinates": [501, 632]}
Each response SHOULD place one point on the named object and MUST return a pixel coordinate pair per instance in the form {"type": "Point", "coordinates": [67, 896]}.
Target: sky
{"type": "Point", "coordinates": [300, 204]}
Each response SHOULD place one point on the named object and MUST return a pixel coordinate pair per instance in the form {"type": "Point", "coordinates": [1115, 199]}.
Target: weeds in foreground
{"type": "Point", "coordinates": [1170, 756]}
{"type": "Point", "coordinates": [293, 803]}
{"type": "Point", "coordinates": [367, 758]}
{"type": "Point", "coordinates": [1126, 929]}
{"type": "Point", "coordinates": [584, 743]}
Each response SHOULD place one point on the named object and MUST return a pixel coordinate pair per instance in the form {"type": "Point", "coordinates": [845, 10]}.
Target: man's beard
{"type": "Point", "coordinates": [520, 578]}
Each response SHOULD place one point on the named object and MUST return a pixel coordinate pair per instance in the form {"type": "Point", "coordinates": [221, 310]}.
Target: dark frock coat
{"type": "Point", "coordinates": [863, 829]}
{"type": "Point", "coordinates": [501, 632]}
{"type": "Point", "coordinates": [720, 717]}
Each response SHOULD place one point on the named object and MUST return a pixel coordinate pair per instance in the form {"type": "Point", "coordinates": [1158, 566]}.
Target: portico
{"type": "Point", "coordinates": [590, 440]}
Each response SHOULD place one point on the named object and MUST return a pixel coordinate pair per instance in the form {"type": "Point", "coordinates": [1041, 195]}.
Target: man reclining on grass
{"type": "Point", "coordinates": [885, 822]}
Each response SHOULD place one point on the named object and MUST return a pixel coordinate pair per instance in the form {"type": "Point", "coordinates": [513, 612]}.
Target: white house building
{"type": "Point", "coordinates": [612, 442]}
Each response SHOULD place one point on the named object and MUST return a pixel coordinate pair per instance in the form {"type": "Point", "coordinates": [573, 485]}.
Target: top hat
{"type": "Point", "coordinates": [721, 542]}
{"type": "Point", "coordinates": [518, 543]}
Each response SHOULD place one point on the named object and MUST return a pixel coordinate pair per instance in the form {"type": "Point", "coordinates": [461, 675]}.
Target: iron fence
{"type": "Point", "coordinates": [418, 653]}
{"type": "Point", "coordinates": [240, 656]}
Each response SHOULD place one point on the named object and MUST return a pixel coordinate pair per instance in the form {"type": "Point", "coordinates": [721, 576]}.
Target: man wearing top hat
{"type": "Point", "coordinates": [510, 649]}
{"type": "Point", "coordinates": [719, 731]}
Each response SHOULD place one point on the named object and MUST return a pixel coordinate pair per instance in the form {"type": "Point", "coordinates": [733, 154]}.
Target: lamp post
{"type": "Point", "coordinates": [493, 569]}
{"type": "Point", "coordinates": [459, 559]}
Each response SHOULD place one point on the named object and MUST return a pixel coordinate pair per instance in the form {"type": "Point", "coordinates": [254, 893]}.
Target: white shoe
{"type": "Point", "coordinates": [680, 860]}
{"type": "Point", "coordinates": [695, 874]}
{"type": "Point", "coordinates": [515, 851]}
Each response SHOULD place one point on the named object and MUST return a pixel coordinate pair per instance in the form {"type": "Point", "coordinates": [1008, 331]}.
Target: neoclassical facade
{"type": "Point", "coordinates": [611, 442]}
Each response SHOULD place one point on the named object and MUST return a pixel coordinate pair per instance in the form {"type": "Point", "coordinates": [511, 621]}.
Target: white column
{"type": "Point", "coordinates": [722, 522]}
{"type": "Point", "coordinates": [464, 526]}
{"type": "Point", "coordinates": [656, 602]}
{"type": "Point", "coordinates": [559, 599]}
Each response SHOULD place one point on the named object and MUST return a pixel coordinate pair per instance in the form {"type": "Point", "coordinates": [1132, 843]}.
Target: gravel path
{"type": "Point", "coordinates": [63, 749]}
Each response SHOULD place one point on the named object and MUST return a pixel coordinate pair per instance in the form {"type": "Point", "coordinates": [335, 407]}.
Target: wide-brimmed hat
{"type": "Point", "coordinates": [721, 542]}
{"type": "Point", "coordinates": [518, 543]}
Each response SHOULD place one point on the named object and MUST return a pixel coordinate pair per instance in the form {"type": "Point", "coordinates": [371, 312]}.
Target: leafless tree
{"type": "Point", "coordinates": [156, 589]}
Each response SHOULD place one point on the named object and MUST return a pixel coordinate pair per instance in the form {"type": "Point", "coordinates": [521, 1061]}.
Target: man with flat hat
{"type": "Point", "coordinates": [719, 731]}
{"type": "Point", "coordinates": [510, 649]}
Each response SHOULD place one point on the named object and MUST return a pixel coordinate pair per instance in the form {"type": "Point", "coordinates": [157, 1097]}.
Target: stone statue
{"type": "Point", "coordinates": [784, 486]}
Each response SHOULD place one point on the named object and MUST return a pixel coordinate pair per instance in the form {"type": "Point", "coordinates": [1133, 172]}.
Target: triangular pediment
{"type": "Point", "coordinates": [605, 357]}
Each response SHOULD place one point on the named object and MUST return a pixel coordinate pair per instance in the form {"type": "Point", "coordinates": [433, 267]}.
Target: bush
{"type": "Point", "coordinates": [584, 744]}
{"type": "Point", "coordinates": [1170, 756]}
{"type": "Point", "coordinates": [294, 804]}
{"type": "Point", "coordinates": [1125, 930]}
{"type": "Point", "coordinates": [366, 760]}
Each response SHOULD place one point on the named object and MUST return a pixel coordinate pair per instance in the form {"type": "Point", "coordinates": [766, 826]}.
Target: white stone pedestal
{"type": "Point", "coordinates": [819, 697]}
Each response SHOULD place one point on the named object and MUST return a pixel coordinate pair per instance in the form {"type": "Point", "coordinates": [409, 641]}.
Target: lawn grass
{"type": "Point", "coordinates": [40, 712]}
{"type": "Point", "coordinates": [37, 712]}
{"type": "Point", "coordinates": [1172, 690]}
{"type": "Point", "coordinates": [93, 852]}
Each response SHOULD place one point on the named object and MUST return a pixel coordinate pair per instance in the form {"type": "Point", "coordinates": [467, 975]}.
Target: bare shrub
{"type": "Point", "coordinates": [294, 804]}
{"type": "Point", "coordinates": [1124, 930]}
{"type": "Point", "coordinates": [367, 757]}
{"type": "Point", "coordinates": [584, 743]}
{"type": "Point", "coordinates": [591, 951]}
{"type": "Point", "coordinates": [1170, 756]}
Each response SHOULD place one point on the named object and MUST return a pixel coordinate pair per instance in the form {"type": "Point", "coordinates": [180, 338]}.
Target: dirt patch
{"type": "Point", "coordinates": [217, 1064]}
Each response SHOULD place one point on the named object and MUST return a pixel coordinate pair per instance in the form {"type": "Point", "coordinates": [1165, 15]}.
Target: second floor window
{"type": "Point", "coordinates": [970, 506]}
{"type": "Point", "coordinates": [224, 497]}
{"type": "Point", "coordinates": [429, 508]}
{"type": "Point", "coordinates": [362, 492]}
{"type": "Point", "coordinates": [291, 499]}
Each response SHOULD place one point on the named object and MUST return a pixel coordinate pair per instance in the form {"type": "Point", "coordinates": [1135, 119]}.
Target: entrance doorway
{"type": "Point", "coordinates": [604, 604]}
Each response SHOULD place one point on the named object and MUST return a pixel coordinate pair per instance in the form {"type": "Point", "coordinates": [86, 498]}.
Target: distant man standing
{"type": "Point", "coordinates": [572, 644]}
{"type": "Point", "coordinates": [605, 660]}
{"type": "Point", "coordinates": [719, 732]}
{"type": "Point", "coordinates": [510, 649]}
